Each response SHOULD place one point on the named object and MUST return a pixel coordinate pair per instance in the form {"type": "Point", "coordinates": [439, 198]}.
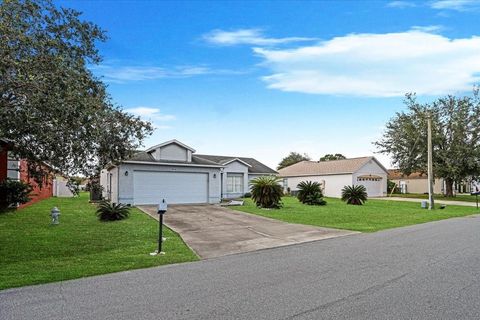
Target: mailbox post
{"type": "Point", "coordinates": [162, 208]}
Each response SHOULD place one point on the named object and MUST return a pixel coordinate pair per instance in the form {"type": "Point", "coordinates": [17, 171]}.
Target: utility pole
{"type": "Point", "coordinates": [430, 162]}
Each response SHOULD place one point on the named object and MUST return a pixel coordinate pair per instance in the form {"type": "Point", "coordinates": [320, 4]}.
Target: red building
{"type": "Point", "coordinates": [38, 193]}
{"type": "Point", "coordinates": [4, 145]}
{"type": "Point", "coordinates": [18, 169]}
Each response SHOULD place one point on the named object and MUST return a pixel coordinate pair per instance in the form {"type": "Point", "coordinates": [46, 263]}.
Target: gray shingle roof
{"type": "Point", "coordinates": [305, 168]}
{"type": "Point", "coordinates": [201, 159]}
{"type": "Point", "coordinates": [256, 166]}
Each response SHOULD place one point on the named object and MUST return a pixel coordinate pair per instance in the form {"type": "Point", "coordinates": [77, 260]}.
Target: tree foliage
{"type": "Point", "coordinates": [336, 156]}
{"type": "Point", "coordinates": [112, 211]}
{"type": "Point", "coordinates": [356, 195]}
{"type": "Point", "coordinates": [310, 192]}
{"type": "Point", "coordinates": [267, 192]}
{"type": "Point", "coordinates": [13, 192]}
{"type": "Point", "coordinates": [51, 105]}
{"type": "Point", "coordinates": [292, 158]}
{"type": "Point", "coordinates": [455, 137]}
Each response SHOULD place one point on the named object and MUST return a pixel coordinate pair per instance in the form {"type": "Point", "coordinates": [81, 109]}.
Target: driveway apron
{"type": "Point", "coordinates": [214, 231]}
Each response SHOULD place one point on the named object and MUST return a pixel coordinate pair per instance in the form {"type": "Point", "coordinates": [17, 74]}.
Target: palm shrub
{"type": "Point", "coordinates": [310, 193]}
{"type": "Point", "coordinates": [112, 211]}
{"type": "Point", "coordinates": [267, 192]}
{"type": "Point", "coordinates": [356, 194]}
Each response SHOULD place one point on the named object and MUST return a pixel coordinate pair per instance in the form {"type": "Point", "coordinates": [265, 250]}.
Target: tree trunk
{"type": "Point", "coordinates": [448, 187]}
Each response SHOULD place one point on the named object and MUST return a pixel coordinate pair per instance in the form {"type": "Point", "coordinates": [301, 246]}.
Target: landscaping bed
{"type": "Point", "coordinates": [374, 215]}
{"type": "Point", "coordinates": [33, 251]}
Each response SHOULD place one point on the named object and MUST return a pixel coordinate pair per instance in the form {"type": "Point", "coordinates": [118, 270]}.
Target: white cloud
{"type": "Point", "coordinates": [151, 114]}
{"type": "Point", "coordinates": [429, 29]}
{"type": "Point", "coordinates": [247, 36]}
{"type": "Point", "coordinates": [380, 65]}
{"type": "Point", "coordinates": [401, 4]}
{"type": "Point", "coordinates": [457, 5]}
{"type": "Point", "coordinates": [123, 74]}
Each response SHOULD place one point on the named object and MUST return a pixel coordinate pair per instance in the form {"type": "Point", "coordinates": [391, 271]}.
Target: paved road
{"type": "Point", "coordinates": [428, 271]}
{"type": "Point", "coordinates": [214, 231]}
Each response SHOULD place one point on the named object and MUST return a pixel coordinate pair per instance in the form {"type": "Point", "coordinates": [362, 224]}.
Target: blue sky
{"type": "Point", "coordinates": [262, 79]}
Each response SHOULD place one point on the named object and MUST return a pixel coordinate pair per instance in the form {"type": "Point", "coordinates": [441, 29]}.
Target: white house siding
{"type": "Point", "coordinates": [333, 183]}
{"type": "Point", "coordinates": [235, 167]}
{"type": "Point", "coordinates": [126, 182]}
{"type": "Point", "coordinates": [114, 184]}
{"type": "Point", "coordinates": [376, 188]}
{"type": "Point", "coordinates": [104, 182]}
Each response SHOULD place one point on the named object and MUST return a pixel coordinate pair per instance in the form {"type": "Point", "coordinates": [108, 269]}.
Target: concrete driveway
{"type": "Point", "coordinates": [214, 231]}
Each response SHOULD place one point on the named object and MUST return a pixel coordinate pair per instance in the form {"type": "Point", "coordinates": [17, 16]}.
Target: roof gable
{"type": "Point", "coordinates": [151, 149]}
{"type": "Point", "coordinates": [237, 160]}
{"type": "Point", "coordinates": [377, 162]}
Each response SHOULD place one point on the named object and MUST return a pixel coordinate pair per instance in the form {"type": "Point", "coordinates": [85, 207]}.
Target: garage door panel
{"type": "Point", "coordinates": [175, 187]}
{"type": "Point", "coordinates": [373, 188]}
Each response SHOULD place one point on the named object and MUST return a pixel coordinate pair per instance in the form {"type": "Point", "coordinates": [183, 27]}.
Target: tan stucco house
{"type": "Point", "coordinates": [334, 175]}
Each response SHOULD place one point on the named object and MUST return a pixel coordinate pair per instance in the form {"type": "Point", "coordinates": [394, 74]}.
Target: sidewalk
{"type": "Point", "coordinates": [447, 202]}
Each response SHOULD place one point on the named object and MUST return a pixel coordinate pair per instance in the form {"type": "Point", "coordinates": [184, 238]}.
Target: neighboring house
{"type": "Point", "coordinates": [172, 171]}
{"type": "Point", "coordinates": [417, 182]}
{"type": "Point", "coordinates": [18, 170]}
{"type": "Point", "coordinates": [60, 188]}
{"type": "Point", "coordinates": [335, 174]}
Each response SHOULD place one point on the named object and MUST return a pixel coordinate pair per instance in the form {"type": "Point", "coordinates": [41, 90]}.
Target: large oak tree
{"type": "Point", "coordinates": [51, 105]}
{"type": "Point", "coordinates": [455, 137]}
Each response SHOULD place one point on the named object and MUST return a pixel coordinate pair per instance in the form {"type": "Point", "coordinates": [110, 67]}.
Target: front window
{"type": "Point", "coordinates": [235, 183]}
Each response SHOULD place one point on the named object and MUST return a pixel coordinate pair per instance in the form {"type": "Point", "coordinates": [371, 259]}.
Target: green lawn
{"type": "Point", "coordinates": [459, 197]}
{"type": "Point", "coordinates": [373, 216]}
{"type": "Point", "coordinates": [32, 251]}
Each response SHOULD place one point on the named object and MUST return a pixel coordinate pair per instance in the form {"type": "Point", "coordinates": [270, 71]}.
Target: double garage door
{"type": "Point", "coordinates": [150, 187]}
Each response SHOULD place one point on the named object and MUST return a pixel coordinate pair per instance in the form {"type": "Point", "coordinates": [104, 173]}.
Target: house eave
{"type": "Point", "coordinates": [265, 173]}
{"type": "Point", "coordinates": [314, 174]}
{"type": "Point", "coordinates": [174, 164]}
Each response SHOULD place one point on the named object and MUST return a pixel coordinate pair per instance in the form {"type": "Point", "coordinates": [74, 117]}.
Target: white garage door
{"type": "Point", "coordinates": [374, 188]}
{"type": "Point", "coordinates": [150, 187]}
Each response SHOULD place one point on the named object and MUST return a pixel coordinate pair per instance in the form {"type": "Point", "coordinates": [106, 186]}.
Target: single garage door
{"type": "Point", "coordinates": [150, 187]}
{"type": "Point", "coordinates": [373, 184]}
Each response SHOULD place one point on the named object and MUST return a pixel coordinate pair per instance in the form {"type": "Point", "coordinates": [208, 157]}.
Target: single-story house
{"type": "Point", "coordinates": [15, 169]}
{"type": "Point", "coordinates": [417, 182]}
{"type": "Point", "coordinates": [172, 171]}
{"type": "Point", "coordinates": [335, 174]}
